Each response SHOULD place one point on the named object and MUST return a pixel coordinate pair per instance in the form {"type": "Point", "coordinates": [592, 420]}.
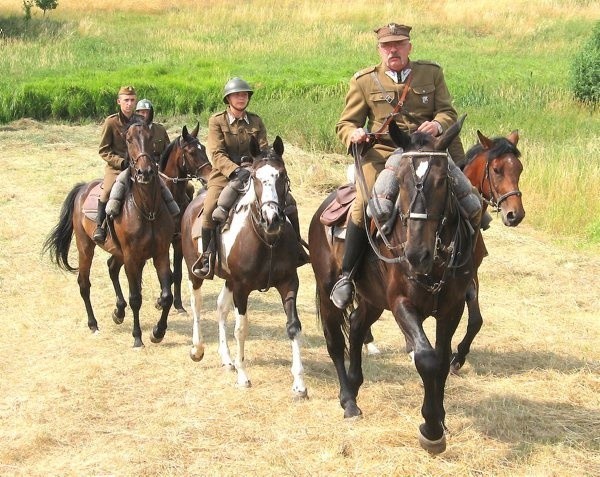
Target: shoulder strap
{"type": "Point", "coordinates": [397, 106]}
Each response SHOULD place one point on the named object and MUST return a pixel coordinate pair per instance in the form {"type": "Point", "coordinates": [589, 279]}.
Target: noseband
{"type": "Point", "coordinates": [495, 200]}
{"type": "Point", "coordinates": [138, 175]}
{"type": "Point", "coordinates": [260, 206]}
{"type": "Point", "coordinates": [188, 175]}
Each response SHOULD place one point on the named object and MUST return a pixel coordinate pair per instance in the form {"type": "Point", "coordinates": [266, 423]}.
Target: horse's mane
{"type": "Point", "coordinates": [164, 157]}
{"type": "Point", "coordinates": [501, 146]}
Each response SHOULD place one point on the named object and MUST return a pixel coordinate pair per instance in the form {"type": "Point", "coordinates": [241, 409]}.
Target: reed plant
{"type": "Point", "coordinates": [506, 63]}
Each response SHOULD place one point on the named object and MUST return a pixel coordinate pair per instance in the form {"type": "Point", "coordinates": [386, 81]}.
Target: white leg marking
{"type": "Point", "coordinates": [224, 305]}
{"type": "Point", "coordinates": [241, 333]}
{"type": "Point", "coordinates": [298, 387]}
{"type": "Point", "coordinates": [197, 350]}
{"type": "Point", "coordinates": [372, 349]}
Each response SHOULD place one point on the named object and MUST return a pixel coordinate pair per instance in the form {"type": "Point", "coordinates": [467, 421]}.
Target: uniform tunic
{"type": "Point", "coordinates": [366, 107]}
{"type": "Point", "coordinates": [227, 142]}
{"type": "Point", "coordinates": [159, 139]}
{"type": "Point", "coordinates": [113, 149]}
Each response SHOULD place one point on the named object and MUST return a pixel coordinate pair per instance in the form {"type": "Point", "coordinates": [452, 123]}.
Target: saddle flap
{"type": "Point", "coordinates": [337, 211]}
{"type": "Point", "coordinates": [90, 204]}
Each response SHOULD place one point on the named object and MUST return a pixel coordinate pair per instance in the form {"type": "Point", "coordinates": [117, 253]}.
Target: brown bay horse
{"type": "Point", "coordinates": [494, 167]}
{"type": "Point", "coordinates": [142, 230]}
{"type": "Point", "coordinates": [256, 250]}
{"type": "Point", "coordinates": [183, 160]}
{"type": "Point", "coordinates": [424, 269]}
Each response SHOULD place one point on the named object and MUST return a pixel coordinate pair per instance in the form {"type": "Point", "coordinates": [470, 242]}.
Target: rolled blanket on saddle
{"type": "Point", "coordinates": [386, 189]}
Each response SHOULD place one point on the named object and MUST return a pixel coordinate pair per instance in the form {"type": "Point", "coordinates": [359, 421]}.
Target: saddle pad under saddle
{"type": "Point", "coordinates": [90, 205]}
{"type": "Point", "coordinates": [337, 211]}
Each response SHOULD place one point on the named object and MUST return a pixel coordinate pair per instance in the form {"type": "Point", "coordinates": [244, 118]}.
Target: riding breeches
{"type": "Point", "coordinates": [371, 170]}
{"type": "Point", "coordinates": [110, 176]}
{"type": "Point", "coordinates": [215, 185]}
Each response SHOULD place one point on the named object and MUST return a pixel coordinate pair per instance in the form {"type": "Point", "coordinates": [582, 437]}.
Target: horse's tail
{"type": "Point", "coordinates": [59, 239]}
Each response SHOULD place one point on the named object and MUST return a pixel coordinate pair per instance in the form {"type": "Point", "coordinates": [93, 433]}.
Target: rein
{"type": "Point", "coordinates": [188, 176]}
{"type": "Point", "coordinates": [149, 216]}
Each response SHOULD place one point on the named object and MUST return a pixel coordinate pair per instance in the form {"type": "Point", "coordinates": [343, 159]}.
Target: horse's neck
{"type": "Point", "coordinates": [147, 197]}
{"type": "Point", "coordinates": [172, 167]}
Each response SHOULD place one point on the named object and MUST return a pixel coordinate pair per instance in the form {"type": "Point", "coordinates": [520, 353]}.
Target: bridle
{"type": "Point", "coordinates": [495, 199]}
{"type": "Point", "coordinates": [184, 160]}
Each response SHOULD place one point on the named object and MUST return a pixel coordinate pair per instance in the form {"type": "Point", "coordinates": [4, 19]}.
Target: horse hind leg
{"type": "Point", "coordinates": [114, 268]}
{"type": "Point", "coordinates": [85, 250]}
{"type": "Point", "coordinates": [241, 334]}
{"type": "Point", "coordinates": [197, 349]}
{"type": "Point", "coordinates": [475, 321]}
{"type": "Point", "coordinates": [165, 277]}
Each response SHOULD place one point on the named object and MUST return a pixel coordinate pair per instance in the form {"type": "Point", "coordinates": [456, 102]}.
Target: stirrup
{"type": "Point", "coordinates": [202, 267]}
{"type": "Point", "coordinates": [99, 235]}
{"type": "Point", "coordinates": [342, 293]}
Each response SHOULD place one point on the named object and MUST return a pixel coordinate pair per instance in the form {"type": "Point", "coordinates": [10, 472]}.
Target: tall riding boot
{"type": "Point", "coordinates": [303, 257]}
{"type": "Point", "coordinates": [342, 292]}
{"type": "Point", "coordinates": [204, 266]}
{"type": "Point", "coordinates": [99, 235]}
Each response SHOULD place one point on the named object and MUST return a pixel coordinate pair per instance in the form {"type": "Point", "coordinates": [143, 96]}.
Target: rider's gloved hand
{"type": "Point", "coordinates": [240, 174]}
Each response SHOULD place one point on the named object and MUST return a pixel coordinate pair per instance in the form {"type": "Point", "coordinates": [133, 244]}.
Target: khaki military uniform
{"type": "Point", "coordinates": [113, 149]}
{"type": "Point", "coordinates": [159, 139]}
{"type": "Point", "coordinates": [366, 107]}
{"type": "Point", "coordinates": [227, 143]}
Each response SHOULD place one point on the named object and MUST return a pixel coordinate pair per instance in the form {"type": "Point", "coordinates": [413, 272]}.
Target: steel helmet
{"type": "Point", "coordinates": [236, 85]}
{"type": "Point", "coordinates": [146, 104]}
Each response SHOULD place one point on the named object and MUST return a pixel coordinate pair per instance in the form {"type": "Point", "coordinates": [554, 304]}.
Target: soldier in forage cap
{"type": "Point", "coordinates": [372, 96]}
{"type": "Point", "coordinates": [113, 149]}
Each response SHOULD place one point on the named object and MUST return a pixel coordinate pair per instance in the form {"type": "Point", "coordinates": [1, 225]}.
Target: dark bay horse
{"type": "Point", "coordinates": [423, 269]}
{"type": "Point", "coordinates": [184, 159]}
{"type": "Point", "coordinates": [142, 230]}
{"type": "Point", "coordinates": [257, 250]}
{"type": "Point", "coordinates": [494, 168]}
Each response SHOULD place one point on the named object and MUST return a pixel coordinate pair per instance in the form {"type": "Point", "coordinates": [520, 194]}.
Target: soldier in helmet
{"type": "Point", "coordinates": [373, 94]}
{"type": "Point", "coordinates": [228, 142]}
{"type": "Point", "coordinates": [113, 149]}
{"type": "Point", "coordinates": [160, 138]}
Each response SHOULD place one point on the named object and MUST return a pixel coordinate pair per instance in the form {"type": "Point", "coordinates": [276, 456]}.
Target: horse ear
{"type": "Point", "coordinates": [484, 140]}
{"type": "Point", "coordinates": [196, 129]}
{"type": "Point", "coordinates": [399, 137]}
{"type": "Point", "coordinates": [443, 141]}
{"type": "Point", "coordinates": [513, 137]}
{"type": "Point", "coordinates": [278, 146]}
{"type": "Point", "coordinates": [184, 132]}
{"type": "Point", "coordinates": [254, 147]}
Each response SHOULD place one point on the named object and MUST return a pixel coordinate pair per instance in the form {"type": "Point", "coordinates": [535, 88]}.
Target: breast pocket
{"type": "Point", "coordinates": [423, 97]}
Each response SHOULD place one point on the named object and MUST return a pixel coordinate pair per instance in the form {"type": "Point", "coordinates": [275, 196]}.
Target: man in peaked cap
{"type": "Point", "coordinates": [113, 149]}
{"type": "Point", "coordinates": [372, 96]}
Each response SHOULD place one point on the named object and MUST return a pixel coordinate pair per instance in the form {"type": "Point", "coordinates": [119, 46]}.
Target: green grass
{"type": "Point", "coordinates": [507, 65]}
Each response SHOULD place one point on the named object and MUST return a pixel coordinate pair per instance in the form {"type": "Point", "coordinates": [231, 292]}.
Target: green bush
{"type": "Point", "coordinates": [586, 70]}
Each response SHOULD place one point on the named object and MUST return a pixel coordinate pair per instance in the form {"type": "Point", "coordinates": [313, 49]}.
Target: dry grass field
{"type": "Point", "coordinates": [71, 403]}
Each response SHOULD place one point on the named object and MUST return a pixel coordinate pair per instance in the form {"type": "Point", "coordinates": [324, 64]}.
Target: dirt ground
{"type": "Point", "coordinates": [72, 403]}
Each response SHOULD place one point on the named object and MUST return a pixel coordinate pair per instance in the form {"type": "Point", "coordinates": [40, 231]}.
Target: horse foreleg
{"type": "Point", "coordinates": [241, 334]}
{"type": "Point", "coordinates": [197, 349]}
{"type": "Point", "coordinates": [163, 270]}
{"type": "Point", "coordinates": [224, 305]}
{"type": "Point", "coordinates": [114, 268]}
{"type": "Point", "coordinates": [474, 324]}
{"type": "Point", "coordinates": [177, 275]}
{"type": "Point", "coordinates": [429, 367]}
{"type": "Point", "coordinates": [134, 277]}
{"type": "Point", "coordinates": [294, 329]}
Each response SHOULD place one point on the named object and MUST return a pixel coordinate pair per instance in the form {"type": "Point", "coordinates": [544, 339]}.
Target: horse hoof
{"type": "Point", "coordinates": [118, 317]}
{"type": "Point", "coordinates": [138, 346]}
{"type": "Point", "coordinates": [455, 364]}
{"type": "Point", "coordinates": [243, 385]}
{"type": "Point", "coordinates": [299, 395]}
{"type": "Point", "coordinates": [181, 311]}
{"type": "Point", "coordinates": [228, 367]}
{"type": "Point", "coordinates": [155, 339]}
{"type": "Point", "coordinates": [433, 447]}
{"type": "Point", "coordinates": [352, 411]}
{"type": "Point", "coordinates": [157, 305]}
{"type": "Point", "coordinates": [196, 354]}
